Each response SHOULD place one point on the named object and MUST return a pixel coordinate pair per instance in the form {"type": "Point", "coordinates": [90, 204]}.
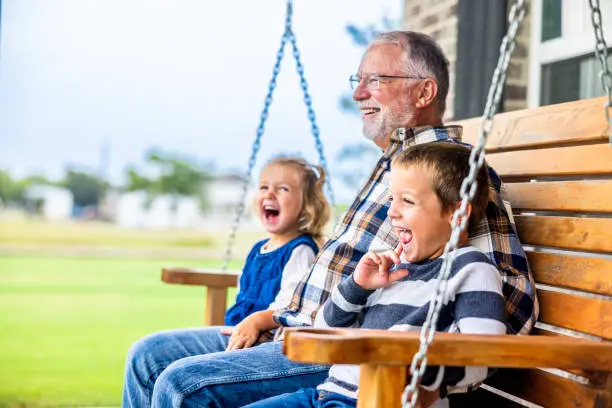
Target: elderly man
{"type": "Point", "coordinates": [401, 88]}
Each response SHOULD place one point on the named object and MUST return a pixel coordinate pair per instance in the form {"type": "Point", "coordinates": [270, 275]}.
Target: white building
{"type": "Point", "coordinates": [51, 202]}
{"type": "Point", "coordinates": [132, 210]}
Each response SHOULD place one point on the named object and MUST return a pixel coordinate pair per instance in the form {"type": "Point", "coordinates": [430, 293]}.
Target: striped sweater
{"type": "Point", "coordinates": [473, 304]}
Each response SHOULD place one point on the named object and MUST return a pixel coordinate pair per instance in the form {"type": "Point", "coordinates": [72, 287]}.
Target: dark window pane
{"type": "Point", "coordinates": [551, 19]}
{"type": "Point", "coordinates": [560, 82]}
{"type": "Point", "coordinates": [572, 79]}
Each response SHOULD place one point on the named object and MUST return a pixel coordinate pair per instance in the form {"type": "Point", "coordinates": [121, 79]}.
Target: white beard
{"type": "Point", "coordinates": [384, 124]}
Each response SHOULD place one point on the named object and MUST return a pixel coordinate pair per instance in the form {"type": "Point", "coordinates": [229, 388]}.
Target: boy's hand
{"type": "Point", "coordinates": [372, 272]}
{"type": "Point", "coordinates": [243, 335]}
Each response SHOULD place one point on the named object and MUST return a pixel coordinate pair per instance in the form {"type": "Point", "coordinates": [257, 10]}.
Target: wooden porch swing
{"type": "Point", "coordinates": [556, 162]}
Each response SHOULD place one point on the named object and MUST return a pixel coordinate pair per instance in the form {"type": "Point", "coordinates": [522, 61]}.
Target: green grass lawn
{"type": "Point", "coordinates": [67, 323]}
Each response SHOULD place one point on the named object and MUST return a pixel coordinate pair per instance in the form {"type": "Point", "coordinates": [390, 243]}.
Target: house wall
{"type": "Point", "coordinates": [438, 18]}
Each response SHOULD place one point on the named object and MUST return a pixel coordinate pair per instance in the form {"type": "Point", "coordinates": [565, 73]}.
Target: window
{"type": "Point", "coordinates": [562, 64]}
{"type": "Point", "coordinates": [551, 19]}
{"type": "Point", "coordinates": [559, 80]}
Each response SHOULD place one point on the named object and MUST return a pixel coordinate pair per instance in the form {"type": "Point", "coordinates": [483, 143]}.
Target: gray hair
{"type": "Point", "coordinates": [424, 57]}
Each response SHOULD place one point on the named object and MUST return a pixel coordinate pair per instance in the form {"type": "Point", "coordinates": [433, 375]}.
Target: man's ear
{"type": "Point", "coordinates": [427, 93]}
{"type": "Point", "coordinates": [468, 212]}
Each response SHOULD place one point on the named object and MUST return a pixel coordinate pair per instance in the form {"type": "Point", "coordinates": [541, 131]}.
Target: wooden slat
{"type": "Point", "coordinates": [381, 386]}
{"type": "Point", "coordinates": [548, 125]}
{"type": "Point", "coordinates": [586, 234]}
{"type": "Point", "coordinates": [591, 160]}
{"type": "Point", "coordinates": [573, 272]}
{"type": "Point", "coordinates": [548, 390]}
{"type": "Point", "coordinates": [592, 316]}
{"type": "Point", "coordinates": [202, 277]}
{"type": "Point", "coordinates": [597, 378]}
{"type": "Point", "coordinates": [574, 196]}
{"type": "Point", "coordinates": [351, 346]}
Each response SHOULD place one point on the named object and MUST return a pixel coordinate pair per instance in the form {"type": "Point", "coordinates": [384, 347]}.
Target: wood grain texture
{"type": "Point", "coordinates": [584, 234]}
{"type": "Point", "coordinates": [201, 277]}
{"type": "Point", "coordinates": [573, 272]}
{"type": "Point", "coordinates": [592, 316]}
{"type": "Point", "coordinates": [580, 121]}
{"type": "Point", "coordinates": [597, 378]}
{"type": "Point", "coordinates": [217, 282]}
{"type": "Point", "coordinates": [590, 160]}
{"type": "Point", "coordinates": [353, 346]}
{"type": "Point", "coordinates": [573, 196]}
{"type": "Point", "coordinates": [216, 303]}
{"type": "Point", "coordinates": [381, 386]}
{"type": "Point", "coordinates": [548, 390]}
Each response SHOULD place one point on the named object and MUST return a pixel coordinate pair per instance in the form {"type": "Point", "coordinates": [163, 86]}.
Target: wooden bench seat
{"type": "Point", "coordinates": [556, 162]}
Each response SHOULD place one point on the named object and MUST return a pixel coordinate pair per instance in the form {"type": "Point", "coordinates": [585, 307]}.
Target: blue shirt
{"type": "Point", "coordinates": [261, 278]}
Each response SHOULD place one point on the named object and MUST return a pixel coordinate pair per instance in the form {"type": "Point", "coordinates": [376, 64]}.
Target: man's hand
{"type": "Point", "coordinates": [244, 334]}
{"type": "Point", "coordinates": [372, 272]}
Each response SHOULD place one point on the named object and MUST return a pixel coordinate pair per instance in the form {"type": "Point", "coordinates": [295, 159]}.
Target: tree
{"type": "Point", "coordinates": [87, 189]}
{"type": "Point", "coordinates": [13, 190]}
{"type": "Point", "coordinates": [176, 176]}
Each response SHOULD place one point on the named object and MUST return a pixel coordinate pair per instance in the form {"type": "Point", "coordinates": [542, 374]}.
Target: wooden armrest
{"type": "Point", "coordinates": [355, 346]}
{"type": "Point", "coordinates": [217, 282]}
{"type": "Point", "coordinates": [215, 278]}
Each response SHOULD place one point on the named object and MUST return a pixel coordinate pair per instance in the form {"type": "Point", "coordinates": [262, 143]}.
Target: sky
{"type": "Point", "coordinates": [83, 77]}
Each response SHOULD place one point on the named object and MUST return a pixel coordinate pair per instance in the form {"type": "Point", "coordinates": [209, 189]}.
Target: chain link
{"type": "Point", "coordinates": [601, 52]}
{"type": "Point", "coordinates": [468, 190]}
{"type": "Point", "coordinates": [288, 35]}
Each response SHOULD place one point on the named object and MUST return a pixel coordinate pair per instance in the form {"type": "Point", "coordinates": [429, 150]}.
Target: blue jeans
{"type": "Point", "coordinates": [190, 368]}
{"type": "Point", "coordinates": [306, 398]}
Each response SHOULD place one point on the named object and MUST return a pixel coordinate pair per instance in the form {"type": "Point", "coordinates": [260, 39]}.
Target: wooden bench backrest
{"type": "Point", "coordinates": [564, 221]}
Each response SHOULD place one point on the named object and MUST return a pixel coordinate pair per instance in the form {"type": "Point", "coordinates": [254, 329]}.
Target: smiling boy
{"type": "Point", "coordinates": [392, 290]}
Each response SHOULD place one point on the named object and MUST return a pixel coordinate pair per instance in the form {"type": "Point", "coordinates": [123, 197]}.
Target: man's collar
{"type": "Point", "coordinates": [425, 134]}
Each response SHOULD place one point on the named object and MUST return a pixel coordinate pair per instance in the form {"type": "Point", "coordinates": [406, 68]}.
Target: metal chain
{"type": "Point", "coordinates": [601, 52]}
{"type": "Point", "coordinates": [468, 190]}
{"type": "Point", "coordinates": [311, 117]}
{"type": "Point", "coordinates": [288, 35]}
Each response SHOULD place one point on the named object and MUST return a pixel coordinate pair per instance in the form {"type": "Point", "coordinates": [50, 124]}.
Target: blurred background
{"type": "Point", "coordinates": [125, 132]}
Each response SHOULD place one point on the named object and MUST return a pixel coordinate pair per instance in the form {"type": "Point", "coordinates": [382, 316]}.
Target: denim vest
{"type": "Point", "coordinates": [261, 278]}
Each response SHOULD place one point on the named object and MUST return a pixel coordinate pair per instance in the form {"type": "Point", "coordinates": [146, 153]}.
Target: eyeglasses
{"type": "Point", "coordinates": [373, 81]}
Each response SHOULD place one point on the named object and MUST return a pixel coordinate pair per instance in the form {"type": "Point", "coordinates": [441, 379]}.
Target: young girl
{"type": "Point", "coordinates": [292, 207]}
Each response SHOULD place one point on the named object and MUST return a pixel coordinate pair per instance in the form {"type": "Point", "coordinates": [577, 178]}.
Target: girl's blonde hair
{"type": "Point", "coordinates": [316, 210]}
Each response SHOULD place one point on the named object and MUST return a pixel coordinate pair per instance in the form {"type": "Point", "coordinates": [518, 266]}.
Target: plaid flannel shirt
{"type": "Point", "coordinates": [365, 227]}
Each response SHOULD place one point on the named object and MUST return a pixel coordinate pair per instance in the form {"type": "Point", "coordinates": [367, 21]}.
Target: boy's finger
{"type": "Point", "coordinates": [394, 257]}
{"type": "Point", "coordinates": [398, 274]}
{"type": "Point", "coordinates": [227, 331]}
{"type": "Point", "coordinates": [236, 344]}
{"type": "Point", "coordinates": [399, 249]}
{"type": "Point", "coordinates": [383, 269]}
{"type": "Point", "coordinates": [249, 342]}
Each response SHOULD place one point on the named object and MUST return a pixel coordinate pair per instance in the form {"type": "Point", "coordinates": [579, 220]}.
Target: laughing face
{"type": "Point", "coordinates": [416, 214]}
{"type": "Point", "coordinates": [279, 199]}
{"type": "Point", "coordinates": [391, 105]}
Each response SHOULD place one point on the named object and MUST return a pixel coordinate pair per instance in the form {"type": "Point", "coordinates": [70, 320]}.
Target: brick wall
{"type": "Point", "coordinates": [515, 93]}
{"type": "Point", "coordinates": [438, 18]}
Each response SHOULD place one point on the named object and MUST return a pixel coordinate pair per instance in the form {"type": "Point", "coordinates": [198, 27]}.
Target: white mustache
{"type": "Point", "coordinates": [368, 105]}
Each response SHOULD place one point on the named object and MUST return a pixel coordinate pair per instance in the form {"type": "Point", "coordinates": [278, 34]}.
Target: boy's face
{"type": "Point", "coordinates": [416, 214]}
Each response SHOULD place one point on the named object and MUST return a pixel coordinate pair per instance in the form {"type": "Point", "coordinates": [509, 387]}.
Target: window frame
{"type": "Point", "coordinates": [576, 40]}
